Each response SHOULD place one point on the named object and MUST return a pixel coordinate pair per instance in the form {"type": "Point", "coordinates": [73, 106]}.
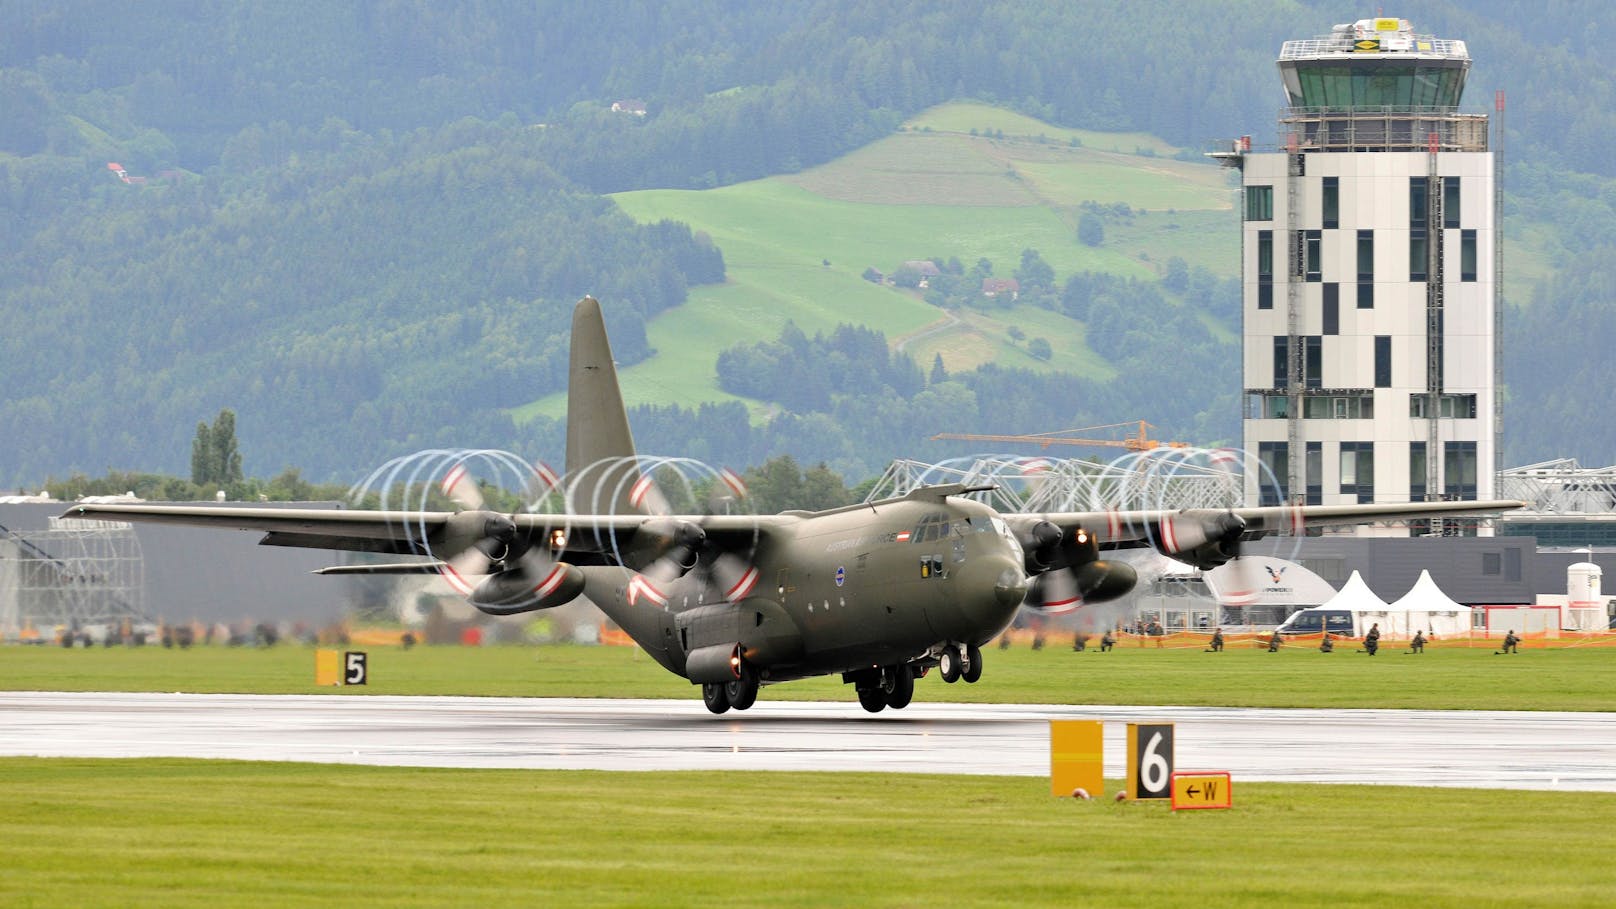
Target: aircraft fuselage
{"type": "Point", "coordinates": [839, 592]}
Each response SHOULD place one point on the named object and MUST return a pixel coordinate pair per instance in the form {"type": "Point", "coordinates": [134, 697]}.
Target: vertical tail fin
{"type": "Point", "coordinates": [601, 469]}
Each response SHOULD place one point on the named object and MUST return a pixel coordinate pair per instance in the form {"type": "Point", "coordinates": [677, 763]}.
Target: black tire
{"type": "Point", "coordinates": [872, 699]}
{"type": "Point", "coordinates": [714, 696]}
{"type": "Point", "coordinates": [948, 663]}
{"type": "Point", "coordinates": [742, 693]}
{"type": "Point", "coordinates": [903, 687]}
{"type": "Point", "coordinates": [973, 664]}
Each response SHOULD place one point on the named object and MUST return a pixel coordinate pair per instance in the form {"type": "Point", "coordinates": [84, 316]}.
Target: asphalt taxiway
{"type": "Point", "coordinates": [1482, 749]}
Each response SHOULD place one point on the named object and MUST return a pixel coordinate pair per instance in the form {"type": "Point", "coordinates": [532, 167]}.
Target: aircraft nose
{"type": "Point", "coordinates": [1011, 587]}
{"type": "Point", "coordinates": [1007, 578]}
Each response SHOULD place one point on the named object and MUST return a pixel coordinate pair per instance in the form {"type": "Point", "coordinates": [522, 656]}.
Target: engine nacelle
{"type": "Point", "coordinates": [1041, 544]}
{"type": "Point", "coordinates": [517, 591]}
{"type": "Point", "coordinates": [1102, 581]}
{"type": "Point", "coordinates": [1201, 537]}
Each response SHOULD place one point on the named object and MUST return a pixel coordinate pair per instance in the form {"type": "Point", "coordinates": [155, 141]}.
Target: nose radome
{"type": "Point", "coordinates": [1011, 587]}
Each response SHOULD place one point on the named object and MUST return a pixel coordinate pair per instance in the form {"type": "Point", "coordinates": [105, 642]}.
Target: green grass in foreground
{"type": "Point", "coordinates": [195, 833]}
{"type": "Point", "coordinates": [1459, 679]}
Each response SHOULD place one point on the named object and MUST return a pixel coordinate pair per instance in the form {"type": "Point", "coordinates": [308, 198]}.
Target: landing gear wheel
{"type": "Point", "coordinates": [903, 687]}
{"type": "Point", "coordinates": [872, 699]}
{"type": "Point", "coordinates": [973, 664]}
{"type": "Point", "coordinates": [742, 693]}
{"type": "Point", "coordinates": [713, 695]}
{"type": "Point", "coordinates": [948, 663]}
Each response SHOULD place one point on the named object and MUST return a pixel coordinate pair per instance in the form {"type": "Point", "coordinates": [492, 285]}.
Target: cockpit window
{"type": "Point", "coordinates": [931, 527]}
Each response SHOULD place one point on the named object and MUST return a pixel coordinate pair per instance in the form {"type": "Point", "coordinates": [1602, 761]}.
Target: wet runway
{"type": "Point", "coordinates": [1489, 750]}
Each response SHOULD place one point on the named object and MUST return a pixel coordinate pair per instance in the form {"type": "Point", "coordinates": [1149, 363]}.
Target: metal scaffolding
{"type": "Point", "coordinates": [1561, 487]}
{"type": "Point", "coordinates": [74, 574]}
{"type": "Point", "coordinates": [1166, 479]}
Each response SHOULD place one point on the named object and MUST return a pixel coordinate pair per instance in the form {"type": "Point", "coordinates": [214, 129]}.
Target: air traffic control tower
{"type": "Point", "coordinates": [1370, 265]}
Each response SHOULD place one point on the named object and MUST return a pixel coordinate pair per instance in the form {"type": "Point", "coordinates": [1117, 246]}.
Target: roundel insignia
{"type": "Point", "coordinates": [841, 575]}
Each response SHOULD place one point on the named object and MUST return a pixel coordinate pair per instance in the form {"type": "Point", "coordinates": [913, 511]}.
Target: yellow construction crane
{"type": "Point", "coordinates": [1140, 442]}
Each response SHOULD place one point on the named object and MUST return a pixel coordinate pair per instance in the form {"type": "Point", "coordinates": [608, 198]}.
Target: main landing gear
{"type": "Point", "coordinates": [738, 693]}
{"type": "Point", "coordinates": [889, 686]}
{"type": "Point", "coordinates": [954, 664]}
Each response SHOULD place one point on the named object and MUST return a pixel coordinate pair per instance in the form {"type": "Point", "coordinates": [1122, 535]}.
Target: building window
{"type": "Point", "coordinates": [1417, 255]}
{"type": "Point", "coordinates": [1358, 470]}
{"type": "Point", "coordinates": [1274, 477]}
{"type": "Point", "coordinates": [1459, 470]}
{"type": "Point", "coordinates": [1314, 470]}
{"type": "Point", "coordinates": [1416, 471]}
{"type": "Point", "coordinates": [1332, 309]}
{"type": "Point", "coordinates": [1313, 361]}
{"type": "Point", "coordinates": [1338, 407]}
{"type": "Point", "coordinates": [1265, 269]}
{"type": "Point", "coordinates": [1450, 406]}
{"type": "Point", "coordinates": [1467, 255]}
{"type": "Point", "coordinates": [1314, 241]}
{"type": "Point", "coordinates": [1332, 202]}
{"type": "Point", "coordinates": [1259, 203]}
{"type": "Point", "coordinates": [1282, 351]}
{"type": "Point", "coordinates": [1417, 213]}
{"type": "Point", "coordinates": [1383, 361]}
{"type": "Point", "coordinates": [1492, 563]}
{"type": "Point", "coordinates": [1450, 201]}
{"type": "Point", "coordinates": [1366, 269]}
{"type": "Point", "coordinates": [1266, 405]}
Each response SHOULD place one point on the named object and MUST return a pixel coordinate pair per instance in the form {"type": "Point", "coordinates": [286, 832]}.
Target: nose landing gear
{"type": "Point", "coordinates": [955, 664]}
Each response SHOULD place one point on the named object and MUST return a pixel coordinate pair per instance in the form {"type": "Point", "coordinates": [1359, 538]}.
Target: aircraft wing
{"type": "Point", "coordinates": [583, 539]}
{"type": "Point", "coordinates": [1207, 537]}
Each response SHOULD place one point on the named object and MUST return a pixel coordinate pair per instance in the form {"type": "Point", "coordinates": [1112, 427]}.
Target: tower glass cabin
{"type": "Point", "coordinates": [1370, 277]}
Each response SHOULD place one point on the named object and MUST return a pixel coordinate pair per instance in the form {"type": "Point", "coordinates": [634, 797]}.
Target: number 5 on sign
{"type": "Point", "coordinates": [1150, 761]}
{"type": "Point", "coordinates": [355, 668]}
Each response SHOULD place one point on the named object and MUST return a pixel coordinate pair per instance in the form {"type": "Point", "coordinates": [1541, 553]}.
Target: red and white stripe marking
{"type": "Point", "coordinates": [903, 536]}
{"type": "Point", "coordinates": [452, 479]}
{"type": "Point", "coordinates": [636, 495]}
{"type": "Point", "coordinates": [1169, 535]}
{"type": "Point", "coordinates": [742, 588]}
{"type": "Point", "coordinates": [640, 587]}
{"type": "Point", "coordinates": [734, 482]}
{"type": "Point", "coordinates": [551, 581]}
{"type": "Point", "coordinates": [547, 477]}
{"type": "Point", "coordinates": [455, 580]}
{"type": "Point", "coordinates": [1063, 606]}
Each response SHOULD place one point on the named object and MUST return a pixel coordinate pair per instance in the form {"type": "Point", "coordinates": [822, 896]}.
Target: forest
{"type": "Point", "coordinates": [361, 226]}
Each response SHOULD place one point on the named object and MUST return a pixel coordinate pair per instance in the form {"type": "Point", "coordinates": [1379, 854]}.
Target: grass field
{"type": "Point", "coordinates": [191, 833]}
{"type": "Point", "coordinates": [930, 190]}
{"type": "Point", "coordinates": [1461, 679]}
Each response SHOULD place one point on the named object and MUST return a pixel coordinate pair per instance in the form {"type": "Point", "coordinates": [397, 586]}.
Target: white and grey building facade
{"type": "Point", "coordinates": [1369, 242]}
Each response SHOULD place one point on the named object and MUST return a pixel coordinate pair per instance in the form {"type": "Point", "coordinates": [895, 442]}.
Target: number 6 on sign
{"type": "Point", "coordinates": [1150, 761]}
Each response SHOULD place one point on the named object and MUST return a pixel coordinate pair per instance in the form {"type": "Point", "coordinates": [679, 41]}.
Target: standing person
{"type": "Point", "coordinates": [1217, 641]}
{"type": "Point", "coordinates": [1274, 640]}
{"type": "Point", "coordinates": [1418, 644]}
{"type": "Point", "coordinates": [1371, 641]}
{"type": "Point", "coordinates": [1511, 643]}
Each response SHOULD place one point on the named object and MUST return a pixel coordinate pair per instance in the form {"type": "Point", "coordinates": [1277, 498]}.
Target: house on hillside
{"type": "Point", "coordinates": [993, 287]}
{"type": "Point", "coordinates": [629, 106]}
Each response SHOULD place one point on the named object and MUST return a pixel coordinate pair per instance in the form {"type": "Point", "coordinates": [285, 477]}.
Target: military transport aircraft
{"type": "Point", "coordinates": [880, 592]}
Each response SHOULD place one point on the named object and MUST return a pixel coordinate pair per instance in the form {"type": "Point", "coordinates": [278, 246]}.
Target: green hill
{"type": "Point", "coordinates": [795, 246]}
